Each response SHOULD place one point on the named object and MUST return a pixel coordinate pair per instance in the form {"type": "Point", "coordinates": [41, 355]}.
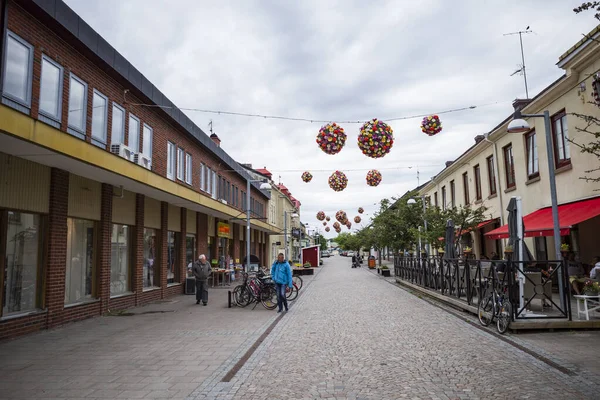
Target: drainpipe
{"type": "Point", "coordinates": [3, 25]}
{"type": "Point", "coordinates": [497, 177]}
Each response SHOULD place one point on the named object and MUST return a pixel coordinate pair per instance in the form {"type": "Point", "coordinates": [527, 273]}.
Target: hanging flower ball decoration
{"type": "Point", "coordinates": [324, 223]}
{"type": "Point", "coordinates": [375, 139]}
{"type": "Point", "coordinates": [341, 216]}
{"type": "Point", "coordinates": [349, 225]}
{"type": "Point", "coordinates": [596, 89]}
{"type": "Point", "coordinates": [327, 229]}
{"type": "Point", "coordinates": [357, 219]}
{"type": "Point", "coordinates": [338, 181]}
{"type": "Point", "coordinates": [320, 215]}
{"type": "Point", "coordinates": [327, 219]}
{"type": "Point", "coordinates": [431, 125]}
{"type": "Point", "coordinates": [331, 138]}
{"type": "Point", "coordinates": [373, 177]}
{"type": "Point", "coordinates": [307, 176]}
{"type": "Point", "coordinates": [336, 225]}
{"type": "Point", "coordinates": [361, 210]}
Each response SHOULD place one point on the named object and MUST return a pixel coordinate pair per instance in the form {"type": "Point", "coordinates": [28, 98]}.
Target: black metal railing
{"type": "Point", "coordinates": [464, 279]}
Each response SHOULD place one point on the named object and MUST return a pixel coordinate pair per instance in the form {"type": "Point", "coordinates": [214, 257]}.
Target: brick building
{"type": "Point", "coordinates": [103, 202]}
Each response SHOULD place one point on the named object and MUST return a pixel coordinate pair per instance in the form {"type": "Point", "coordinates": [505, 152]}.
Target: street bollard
{"type": "Point", "coordinates": [229, 299]}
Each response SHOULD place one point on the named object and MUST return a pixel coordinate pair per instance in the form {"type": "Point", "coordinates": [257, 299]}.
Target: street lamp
{"type": "Point", "coordinates": [263, 186]}
{"type": "Point", "coordinates": [413, 201]}
{"type": "Point", "coordinates": [519, 125]}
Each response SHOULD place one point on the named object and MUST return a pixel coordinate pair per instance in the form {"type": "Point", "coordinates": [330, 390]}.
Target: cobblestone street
{"type": "Point", "coordinates": [350, 335]}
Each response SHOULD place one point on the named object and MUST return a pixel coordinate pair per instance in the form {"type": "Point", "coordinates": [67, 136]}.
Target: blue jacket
{"type": "Point", "coordinates": [282, 273]}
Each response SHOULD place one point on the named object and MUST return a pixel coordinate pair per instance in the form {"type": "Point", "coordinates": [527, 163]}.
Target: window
{"type": "Point", "coordinates": [188, 168]}
{"type": "Point", "coordinates": [228, 193]}
{"type": "Point", "coordinates": [560, 136]}
{"type": "Point", "coordinates": [202, 177]}
{"type": "Point", "coordinates": [443, 197]}
{"type": "Point", "coordinates": [214, 185]}
{"type": "Point", "coordinates": [79, 278]}
{"type": "Point", "coordinates": [99, 117]}
{"type": "Point", "coordinates": [180, 163]}
{"type": "Point", "coordinates": [491, 175]}
{"type": "Point", "coordinates": [477, 173]}
{"type": "Point", "coordinates": [119, 260]}
{"type": "Point", "coordinates": [134, 133]}
{"type": "Point", "coordinates": [509, 166]}
{"type": "Point", "coordinates": [465, 178]}
{"type": "Point", "coordinates": [77, 104]}
{"type": "Point", "coordinates": [51, 84]}
{"type": "Point", "coordinates": [452, 194]}
{"type": "Point", "coordinates": [22, 253]}
{"type": "Point", "coordinates": [18, 69]}
{"type": "Point", "coordinates": [118, 124]}
{"type": "Point", "coordinates": [435, 199]}
{"type": "Point", "coordinates": [209, 180]}
{"type": "Point", "coordinates": [533, 169]}
{"type": "Point", "coordinates": [150, 268]}
{"type": "Point", "coordinates": [190, 252]}
{"type": "Point", "coordinates": [147, 134]}
{"type": "Point", "coordinates": [172, 257]}
{"type": "Point", "coordinates": [170, 160]}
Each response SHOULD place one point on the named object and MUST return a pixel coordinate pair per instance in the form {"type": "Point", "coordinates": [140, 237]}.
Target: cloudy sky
{"type": "Point", "coordinates": [341, 61]}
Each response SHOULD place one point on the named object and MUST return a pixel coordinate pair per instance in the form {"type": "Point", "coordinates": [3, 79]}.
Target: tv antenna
{"type": "Point", "coordinates": [210, 125]}
{"type": "Point", "coordinates": [521, 70]}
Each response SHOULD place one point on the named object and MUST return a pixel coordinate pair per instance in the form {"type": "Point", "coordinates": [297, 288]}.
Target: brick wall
{"type": "Point", "coordinates": [48, 43]}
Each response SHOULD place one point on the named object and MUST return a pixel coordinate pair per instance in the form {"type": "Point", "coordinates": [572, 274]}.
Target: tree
{"type": "Point", "coordinates": [321, 241]}
{"type": "Point", "coordinates": [589, 5]}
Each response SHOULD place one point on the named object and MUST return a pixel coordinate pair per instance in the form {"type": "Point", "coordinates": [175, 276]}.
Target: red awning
{"type": "Point", "coordinates": [540, 223]}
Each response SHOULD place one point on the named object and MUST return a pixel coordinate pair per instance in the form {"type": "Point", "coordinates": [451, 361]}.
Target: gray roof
{"type": "Point", "coordinates": [68, 22]}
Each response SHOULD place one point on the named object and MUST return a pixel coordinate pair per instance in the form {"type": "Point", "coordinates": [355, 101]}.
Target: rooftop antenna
{"type": "Point", "coordinates": [210, 125]}
{"type": "Point", "coordinates": [522, 66]}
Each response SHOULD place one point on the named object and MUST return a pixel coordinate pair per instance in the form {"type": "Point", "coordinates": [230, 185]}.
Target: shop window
{"type": "Point", "coordinates": [120, 260]}
{"type": "Point", "coordinates": [172, 257]}
{"type": "Point", "coordinates": [190, 252]}
{"type": "Point", "coordinates": [150, 270]}
{"type": "Point", "coordinates": [22, 257]}
{"type": "Point", "coordinates": [79, 276]}
{"type": "Point", "coordinates": [18, 69]}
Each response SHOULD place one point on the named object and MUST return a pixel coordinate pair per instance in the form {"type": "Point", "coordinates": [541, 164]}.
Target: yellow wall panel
{"type": "Point", "coordinates": [190, 224]}
{"type": "Point", "coordinates": [174, 218]}
{"type": "Point", "coordinates": [84, 198]}
{"type": "Point", "coordinates": [24, 185]}
{"type": "Point", "coordinates": [123, 209]}
{"type": "Point", "coordinates": [151, 213]}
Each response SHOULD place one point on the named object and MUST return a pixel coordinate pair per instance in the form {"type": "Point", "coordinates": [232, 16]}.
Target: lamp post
{"type": "Point", "coordinates": [413, 201]}
{"type": "Point", "coordinates": [263, 186]}
{"type": "Point", "coordinates": [519, 125]}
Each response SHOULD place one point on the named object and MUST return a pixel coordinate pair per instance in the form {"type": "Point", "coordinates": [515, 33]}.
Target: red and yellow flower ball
{"type": "Point", "coordinates": [307, 176]}
{"type": "Point", "coordinates": [338, 181]}
{"type": "Point", "coordinates": [376, 138]}
{"type": "Point", "coordinates": [341, 216]}
{"type": "Point", "coordinates": [320, 215]}
{"type": "Point", "coordinates": [357, 219]}
{"type": "Point", "coordinates": [361, 210]}
{"type": "Point", "coordinates": [431, 125]}
{"type": "Point", "coordinates": [373, 177]}
{"type": "Point", "coordinates": [331, 138]}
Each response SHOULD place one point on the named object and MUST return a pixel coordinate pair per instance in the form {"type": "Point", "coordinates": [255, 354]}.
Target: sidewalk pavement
{"type": "Point", "coordinates": [163, 350]}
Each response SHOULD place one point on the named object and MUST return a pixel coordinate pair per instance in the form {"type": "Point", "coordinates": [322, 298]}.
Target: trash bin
{"type": "Point", "coordinates": [371, 261]}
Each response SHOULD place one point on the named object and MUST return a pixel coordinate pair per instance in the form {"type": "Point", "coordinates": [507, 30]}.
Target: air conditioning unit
{"type": "Point", "coordinates": [121, 150]}
{"type": "Point", "coordinates": [142, 160]}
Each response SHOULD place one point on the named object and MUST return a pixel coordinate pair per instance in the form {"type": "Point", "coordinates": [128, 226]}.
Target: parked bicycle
{"type": "Point", "coordinates": [494, 304]}
{"type": "Point", "coordinates": [259, 288]}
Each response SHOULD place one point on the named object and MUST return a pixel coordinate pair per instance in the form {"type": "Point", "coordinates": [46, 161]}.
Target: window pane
{"type": "Point", "coordinates": [99, 110]}
{"type": "Point", "coordinates": [170, 159]}
{"type": "Point", "coordinates": [21, 273]}
{"type": "Point", "coordinates": [118, 125]}
{"type": "Point", "coordinates": [80, 257]}
{"type": "Point", "coordinates": [149, 258]}
{"type": "Point", "coordinates": [50, 89]}
{"type": "Point", "coordinates": [77, 100]}
{"type": "Point", "coordinates": [16, 76]}
{"type": "Point", "coordinates": [180, 165]}
{"type": "Point", "coordinates": [536, 167]}
{"type": "Point", "coordinates": [134, 134]}
{"type": "Point", "coordinates": [188, 168]}
{"type": "Point", "coordinates": [172, 252]}
{"type": "Point", "coordinates": [119, 260]}
{"type": "Point", "coordinates": [147, 142]}
{"type": "Point", "coordinates": [565, 130]}
{"type": "Point", "coordinates": [190, 252]}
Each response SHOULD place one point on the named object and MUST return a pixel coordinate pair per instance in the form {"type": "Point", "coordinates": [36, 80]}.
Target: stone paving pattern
{"type": "Point", "coordinates": [350, 335]}
{"type": "Point", "coordinates": [355, 336]}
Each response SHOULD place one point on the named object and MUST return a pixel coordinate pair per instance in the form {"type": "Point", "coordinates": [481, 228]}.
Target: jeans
{"type": "Point", "coordinates": [281, 299]}
{"type": "Point", "coordinates": [201, 291]}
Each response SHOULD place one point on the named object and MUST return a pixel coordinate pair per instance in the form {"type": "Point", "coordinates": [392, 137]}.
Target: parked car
{"type": "Point", "coordinates": [350, 253]}
{"type": "Point", "coordinates": [325, 253]}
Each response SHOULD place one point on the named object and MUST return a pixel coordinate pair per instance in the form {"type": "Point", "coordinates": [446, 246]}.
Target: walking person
{"type": "Point", "coordinates": [281, 273]}
{"type": "Point", "coordinates": [202, 271]}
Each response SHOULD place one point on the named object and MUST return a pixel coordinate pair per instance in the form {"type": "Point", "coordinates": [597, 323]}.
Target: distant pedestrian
{"type": "Point", "coordinates": [202, 271]}
{"type": "Point", "coordinates": [281, 273]}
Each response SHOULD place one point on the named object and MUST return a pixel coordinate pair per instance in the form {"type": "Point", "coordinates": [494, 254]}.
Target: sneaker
{"type": "Point", "coordinates": [278, 311]}
{"type": "Point", "coordinates": [204, 304]}
{"type": "Point", "coordinates": [198, 302]}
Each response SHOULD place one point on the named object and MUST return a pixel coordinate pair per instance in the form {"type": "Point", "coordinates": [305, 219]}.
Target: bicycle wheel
{"type": "Point", "coordinates": [242, 295]}
{"type": "Point", "coordinates": [504, 316]}
{"type": "Point", "coordinates": [291, 293]}
{"type": "Point", "coordinates": [268, 297]}
{"type": "Point", "coordinates": [485, 309]}
{"type": "Point", "coordinates": [297, 279]}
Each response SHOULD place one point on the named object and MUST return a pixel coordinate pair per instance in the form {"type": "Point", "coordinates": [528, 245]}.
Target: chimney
{"type": "Point", "coordinates": [479, 138]}
{"type": "Point", "coordinates": [519, 104]}
{"type": "Point", "coordinates": [215, 139]}
{"type": "Point", "coordinates": [449, 163]}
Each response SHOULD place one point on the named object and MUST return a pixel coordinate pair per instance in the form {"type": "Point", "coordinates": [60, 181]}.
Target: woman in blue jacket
{"type": "Point", "coordinates": [281, 273]}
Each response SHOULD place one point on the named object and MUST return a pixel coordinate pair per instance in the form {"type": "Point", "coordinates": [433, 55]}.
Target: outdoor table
{"type": "Point", "coordinates": [594, 302]}
{"type": "Point", "coordinates": [221, 272]}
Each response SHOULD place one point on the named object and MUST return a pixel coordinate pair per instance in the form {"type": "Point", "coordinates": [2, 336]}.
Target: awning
{"type": "Point", "coordinates": [540, 222]}
{"type": "Point", "coordinates": [479, 226]}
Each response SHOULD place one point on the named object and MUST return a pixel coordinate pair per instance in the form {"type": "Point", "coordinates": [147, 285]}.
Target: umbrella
{"type": "Point", "coordinates": [449, 245]}
{"type": "Point", "coordinates": [513, 238]}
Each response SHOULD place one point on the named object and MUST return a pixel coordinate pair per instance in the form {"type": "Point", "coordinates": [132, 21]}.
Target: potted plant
{"type": "Point", "coordinates": [441, 251]}
{"type": "Point", "coordinates": [307, 264]}
{"type": "Point", "coordinates": [467, 250]}
{"type": "Point", "coordinates": [385, 271]}
{"type": "Point", "coordinates": [564, 249]}
{"type": "Point", "coordinates": [591, 288]}
{"type": "Point", "coordinates": [508, 249]}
